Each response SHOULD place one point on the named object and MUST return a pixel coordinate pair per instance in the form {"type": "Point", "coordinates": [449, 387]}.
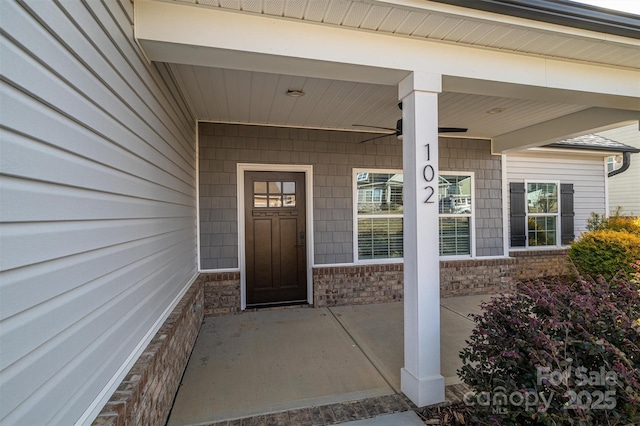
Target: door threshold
{"type": "Point", "coordinates": [278, 305]}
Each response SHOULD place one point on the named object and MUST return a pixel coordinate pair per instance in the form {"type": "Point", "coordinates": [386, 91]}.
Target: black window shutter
{"type": "Point", "coordinates": [518, 215]}
{"type": "Point", "coordinates": [566, 213]}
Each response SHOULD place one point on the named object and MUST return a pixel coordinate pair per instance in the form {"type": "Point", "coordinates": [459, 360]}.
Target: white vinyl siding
{"type": "Point", "coordinates": [97, 202]}
{"type": "Point", "coordinates": [623, 188]}
{"type": "Point", "coordinates": [585, 172]}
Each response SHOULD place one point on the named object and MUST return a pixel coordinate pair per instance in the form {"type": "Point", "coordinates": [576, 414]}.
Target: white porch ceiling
{"type": "Point", "coordinates": [235, 96]}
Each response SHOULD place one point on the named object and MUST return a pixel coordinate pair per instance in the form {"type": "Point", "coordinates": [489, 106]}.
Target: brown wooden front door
{"type": "Point", "coordinates": [275, 229]}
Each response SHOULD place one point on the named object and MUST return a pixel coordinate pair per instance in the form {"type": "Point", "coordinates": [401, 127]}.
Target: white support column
{"type": "Point", "coordinates": [421, 380]}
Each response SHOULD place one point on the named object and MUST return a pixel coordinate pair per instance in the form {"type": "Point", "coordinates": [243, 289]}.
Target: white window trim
{"type": "Point", "coordinates": [354, 198]}
{"type": "Point", "coordinates": [557, 215]}
{"type": "Point", "coordinates": [472, 227]}
{"type": "Point", "coordinates": [308, 174]}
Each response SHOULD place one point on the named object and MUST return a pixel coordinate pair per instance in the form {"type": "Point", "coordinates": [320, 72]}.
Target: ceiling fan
{"type": "Point", "coordinates": [398, 130]}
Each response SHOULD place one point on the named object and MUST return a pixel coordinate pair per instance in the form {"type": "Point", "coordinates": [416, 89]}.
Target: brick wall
{"type": "Point", "coordinates": [357, 285]}
{"type": "Point", "coordinates": [541, 263]}
{"type": "Point", "coordinates": [465, 277]}
{"type": "Point", "coordinates": [146, 394]}
{"type": "Point", "coordinates": [354, 285]}
{"type": "Point", "coordinates": [221, 292]}
{"type": "Point", "coordinates": [362, 284]}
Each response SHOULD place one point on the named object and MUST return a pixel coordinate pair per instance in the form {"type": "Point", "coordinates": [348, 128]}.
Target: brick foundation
{"type": "Point", "coordinates": [221, 292]}
{"type": "Point", "coordinates": [146, 394]}
{"type": "Point", "coordinates": [540, 263]}
{"type": "Point", "coordinates": [357, 285]}
{"type": "Point", "coordinates": [354, 285]}
{"type": "Point", "coordinates": [475, 276]}
{"type": "Point", "coordinates": [363, 284]}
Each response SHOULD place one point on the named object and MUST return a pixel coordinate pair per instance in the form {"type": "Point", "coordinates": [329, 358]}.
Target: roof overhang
{"type": "Point", "coordinates": [560, 12]}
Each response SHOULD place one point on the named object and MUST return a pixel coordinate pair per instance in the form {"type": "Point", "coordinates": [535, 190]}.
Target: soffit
{"type": "Point", "coordinates": [450, 24]}
{"type": "Point", "coordinates": [260, 98]}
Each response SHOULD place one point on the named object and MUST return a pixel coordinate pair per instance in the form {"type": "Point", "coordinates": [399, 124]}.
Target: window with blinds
{"type": "Point", "coordinates": [379, 215]}
{"type": "Point", "coordinates": [455, 198]}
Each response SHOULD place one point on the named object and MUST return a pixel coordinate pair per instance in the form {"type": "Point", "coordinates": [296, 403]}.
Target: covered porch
{"type": "Point", "coordinates": [131, 130]}
{"type": "Point", "coordinates": [301, 365]}
{"type": "Point", "coordinates": [284, 108]}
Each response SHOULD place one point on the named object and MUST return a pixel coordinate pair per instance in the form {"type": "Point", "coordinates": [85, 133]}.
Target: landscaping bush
{"type": "Point", "coordinates": [615, 222]}
{"type": "Point", "coordinates": [605, 252]}
{"type": "Point", "coordinates": [557, 353]}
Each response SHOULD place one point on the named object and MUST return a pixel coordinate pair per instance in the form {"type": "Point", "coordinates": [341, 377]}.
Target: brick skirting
{"type": "Point", "coordinates": [362, 284]}
{"type": "Point", "coordinates": [541, 263]}
{"type": "Point", "coordinates": [146, 394]}
{"type": "Point", "coordinates": [476, 276]}
{"type": "Point", "coordinates": [357, 285]}
{"type": "Point", "coordinates": [221, 292]}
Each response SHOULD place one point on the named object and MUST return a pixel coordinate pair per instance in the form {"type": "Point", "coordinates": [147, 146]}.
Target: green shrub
{"type": "Point", "coordinates": [615, 222]}
{"type": "Point", "coordinates": [605, 252]}
{"type": "Point", "coordinates": [557, 353]}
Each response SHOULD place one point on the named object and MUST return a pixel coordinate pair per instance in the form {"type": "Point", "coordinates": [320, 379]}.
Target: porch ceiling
{"type": "Point", "coordinates": [260, 98]}
{"type": "Point", "coordinates": [235, 60]}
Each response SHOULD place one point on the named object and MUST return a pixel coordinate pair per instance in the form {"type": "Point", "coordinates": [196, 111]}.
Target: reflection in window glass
{"type": "Point", "coordinates": [455, 206]}
{"type": "Point", "coordinates": [259, 200]}
{"type": "Point", "coordinates": [542, 230]}
{"type": "Point", "coordinates": [454, 194]}
{"type": "Point", "coordinates": [379, 212]}
{"type": "Point", "coordinates": [275, 201]}
{"type": "Point", "coordinates": [542, 214]}
{"type": "Point", "coordinates": [379, 209]}
{"type": "Point", "coordinates": [275, 187]}
{"type": "Point", "coordinates": [289, 187]}
{"type": "Point", "coordinates": [268, 194]}
{"type": "Point", "coordinates": [379, 193]}
{"type": "Point", "coordinates": [542, 198]}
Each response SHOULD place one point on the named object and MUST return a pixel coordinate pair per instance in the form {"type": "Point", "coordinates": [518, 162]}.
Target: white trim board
{"type": "Point", "coordinates": [308, 179]}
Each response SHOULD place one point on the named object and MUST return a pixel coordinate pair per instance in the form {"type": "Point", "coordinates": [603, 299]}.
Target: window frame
{"type": "Point", "coordinates": [471, 216]}
{"type": "Point", "coordinates": [557, 214]}
{"type": "Point", "coordinates": [356, 216]}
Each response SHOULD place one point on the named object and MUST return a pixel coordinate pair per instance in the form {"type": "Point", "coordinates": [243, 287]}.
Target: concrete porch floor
{"type": "Point", "coordinates": [285, 359]}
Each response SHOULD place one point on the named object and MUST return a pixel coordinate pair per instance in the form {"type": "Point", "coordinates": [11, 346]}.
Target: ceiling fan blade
{"type": "Point", "coordinates": [452, 130]}
{"type": "Point", "coordinates": [376, 137]}
{"type": "Point", "coordinates": [374, 127]}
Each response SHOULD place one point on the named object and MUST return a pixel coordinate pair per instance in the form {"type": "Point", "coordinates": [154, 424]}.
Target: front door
{"type": "Point", "coordinates": [275, 225]}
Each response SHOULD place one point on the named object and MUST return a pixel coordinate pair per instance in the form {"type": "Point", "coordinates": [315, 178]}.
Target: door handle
{"type": "Point", "coordinates": [299, 245]}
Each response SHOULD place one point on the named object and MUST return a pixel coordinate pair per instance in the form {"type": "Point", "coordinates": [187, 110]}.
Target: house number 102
{"type": "Point", "coordinates": [428, 174]}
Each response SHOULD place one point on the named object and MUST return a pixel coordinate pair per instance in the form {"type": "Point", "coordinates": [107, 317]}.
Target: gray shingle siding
{"type": "Point", "coordinates": [333, 155]}
{"type": "Point", "coordinates": [475, 156]}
